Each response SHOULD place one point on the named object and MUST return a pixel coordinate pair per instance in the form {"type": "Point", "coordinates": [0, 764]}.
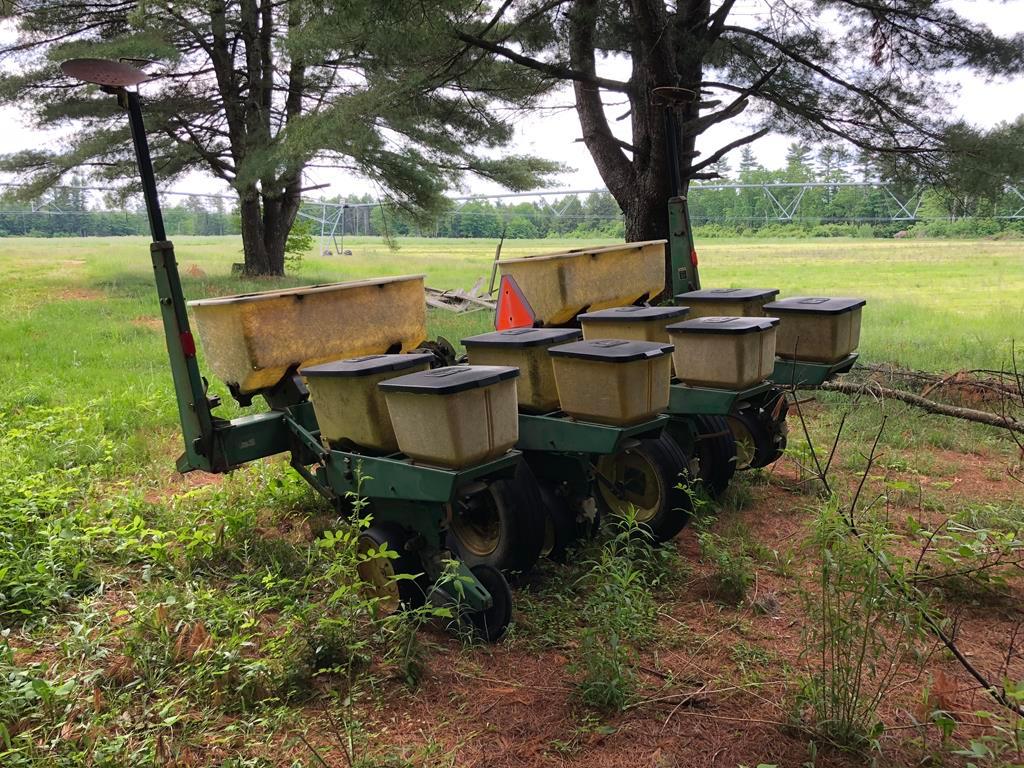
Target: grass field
{"type": "Point", "coordinates": [150, 619]}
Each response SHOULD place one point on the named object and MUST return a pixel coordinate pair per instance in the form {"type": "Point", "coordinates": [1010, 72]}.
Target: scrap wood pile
{"type": "Point", "coordinates": [458, 300]}
{"type": "Point", "coordinates": [985, 396]}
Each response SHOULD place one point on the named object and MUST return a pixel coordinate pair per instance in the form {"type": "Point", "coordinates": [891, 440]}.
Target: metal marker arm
{"type": "Point", "coordinates": [189, 388]}
{"type": "Point", "coordinates": [682, 254]}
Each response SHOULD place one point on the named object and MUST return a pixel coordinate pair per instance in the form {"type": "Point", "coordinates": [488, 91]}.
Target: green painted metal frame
{"type": "Point", "coordinates": [685, 400]}
{"type": "Point", "coordinates": [682, 254]}
{"type": "Point", "coordinates": [394, 477]}
{"type": "Point", "coordinates": [797, 373]}
{"type": "Point", "coordinates": [197, 423]}
{"type": "Point", "coordinates": [414, 495]}
{"type": "Point", "coordinates": [560, 449]}
{"type": "Point", "coordinates": [561, 434]}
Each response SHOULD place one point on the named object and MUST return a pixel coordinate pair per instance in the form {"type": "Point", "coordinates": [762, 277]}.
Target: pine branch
{"type": "Point", "coordinates": [731, 110]}
{"type": "Point", "coordinates": [803, 61]}
{"type": "Point", "coordinates": [556, 71]}
{"type": "Point", "coordinates": [722, 152]}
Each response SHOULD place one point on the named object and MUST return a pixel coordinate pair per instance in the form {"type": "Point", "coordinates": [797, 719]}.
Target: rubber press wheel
{"type": "Point", "coordinates": [560, 527]}
{"type": "Point", "coordinates": [490, 624]}
{"type": "Point", "coordinates": [647, 477]}
{"type": "Point", "coordinates": [751, 438]}
{"type": "Point", "coordinates": [716, 453]}
{"type": "Point", "coordinates": [500, 523]}
{"type": "Point", "coordinates": [760, 434]}
{"type": "Point", "coordinates": [378, 573]}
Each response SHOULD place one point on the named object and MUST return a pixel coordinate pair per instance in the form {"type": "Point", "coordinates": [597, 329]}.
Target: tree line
{"type": "Point", "coordinates": [820, 211]}
{"type": "Point", "coordinates": [254, 93]}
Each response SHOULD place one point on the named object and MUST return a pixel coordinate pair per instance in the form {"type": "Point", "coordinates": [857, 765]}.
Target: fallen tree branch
{"type": "Point", "coordinates": [967, 414]}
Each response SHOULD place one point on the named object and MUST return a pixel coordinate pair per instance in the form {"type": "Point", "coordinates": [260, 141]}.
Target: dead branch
{"type": "Point", "coordinates": [967, 414]}
{"type": "Point", "coordinates": [997, 382]}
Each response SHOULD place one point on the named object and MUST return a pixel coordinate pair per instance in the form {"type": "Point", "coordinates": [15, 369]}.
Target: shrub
{"type": "Point", "coordinates": [734, 568]}
{"type": "Point", "coordinates": [860, 631]}
{"type": "Point", "coordinates": [520, 227]}
{"type": "Point", "coordinates": [780, 230]}
{"type": "Point", "coordinates": [833, 230]}
{"type": "Point", "coordinates": [622, 610]}
{"type": "Point", "coordinates": [713, 231]}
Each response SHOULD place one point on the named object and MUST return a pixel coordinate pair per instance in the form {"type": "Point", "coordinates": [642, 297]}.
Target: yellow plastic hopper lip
{"type": "Point", "coordinates": [303, 290]}
{"type": "Point", "coordinates": [584, 251]}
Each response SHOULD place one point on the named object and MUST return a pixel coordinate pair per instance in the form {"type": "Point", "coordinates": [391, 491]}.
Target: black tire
{"type": "Point", "coordinates": [561, 530]}
{"type": "Point", "coordinates": [760, 433]}
{"type": "Point", "coordinates": [716, 453]}
{"type": "Point", "coordinates": [776, 412]}
{"type": "Point", "coordinates": [490, 624]}
{"type": "Point", "coordinates": [377, 573]}
{"type": "Point", "coordinates": [752, 439]}
{"type": "Point", "coordinates": [500, 525]}
{"type": "Point", "coordinates": [648, 476]}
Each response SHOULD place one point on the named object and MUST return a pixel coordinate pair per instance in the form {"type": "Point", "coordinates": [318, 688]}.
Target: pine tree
{"type": "Point", "coordinates": [748, 162]}
{"type": "Point", "coordinates": [798, 163]}
{"type": "Point", "coordinates": [254, 91]}
{"type": "Point", "coordinates": [874, 80]}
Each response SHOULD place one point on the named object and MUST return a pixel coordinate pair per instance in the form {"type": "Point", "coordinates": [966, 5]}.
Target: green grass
{"type": "Point", "coordinates": [932, 305]}
{"type": "Point", "coordinates": [937, 305]}
{"type": "Point", "coordinates": [107, 559]}
{"type": "Point", "coordinates": [81, 320]}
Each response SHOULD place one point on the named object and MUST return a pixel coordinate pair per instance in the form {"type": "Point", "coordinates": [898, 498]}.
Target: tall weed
{"type": "Point", "coordinates": [860, 631]}
{"type": "Point", "coordinates": [621, 611]}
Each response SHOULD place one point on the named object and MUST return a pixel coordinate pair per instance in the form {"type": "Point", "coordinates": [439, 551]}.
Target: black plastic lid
{"type": "Point", "coordinates": [727, 294]}
{"type": "Point", "coordinates": [612, 350]}
{"type": "Point", "coordinates": [523, 337]}
{"type": "Point", "coordinates": [364, 366]}
{"type": "Point", "coordinates": [817, 304]}
{"type": "Point", "coordinates": [724, 325]}
{"type": "Point", "coordinates": [447, 381]}
{"type": "Point", "coordinates": [626, 314]}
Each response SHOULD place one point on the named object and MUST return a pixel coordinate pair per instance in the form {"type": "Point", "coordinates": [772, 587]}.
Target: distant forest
{"type": "Point", "coordinates": [831, 210]}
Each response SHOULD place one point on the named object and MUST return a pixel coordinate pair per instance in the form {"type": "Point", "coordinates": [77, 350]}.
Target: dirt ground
{"type": "Point", "coordinates": [713, 691]}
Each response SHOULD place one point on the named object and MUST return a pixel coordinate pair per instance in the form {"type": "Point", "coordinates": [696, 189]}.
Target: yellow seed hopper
{"type": "Point", "coordinates": [252, 340]}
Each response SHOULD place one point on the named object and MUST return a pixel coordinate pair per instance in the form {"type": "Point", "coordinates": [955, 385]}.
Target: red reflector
{"type": "Point", "coordinates": [693, 256]}
{"type": "Point", "coordinates": [188, 345]}
{"type": "Point", "coordinates": [513, 311]}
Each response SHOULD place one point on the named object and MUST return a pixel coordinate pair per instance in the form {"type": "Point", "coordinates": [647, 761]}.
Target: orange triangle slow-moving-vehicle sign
{"type": "Point", "coordinates": [514, 311]}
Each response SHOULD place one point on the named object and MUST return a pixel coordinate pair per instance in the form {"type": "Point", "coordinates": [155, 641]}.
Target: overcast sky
{"type": "Point", "coordinates": [553, 133]}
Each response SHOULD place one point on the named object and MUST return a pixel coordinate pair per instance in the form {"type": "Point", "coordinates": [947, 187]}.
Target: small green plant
{"type": "Point", "coordinates": [969, 559]}
{"type": "Point", "coordinates": [1003, 745]}
{"type": "Point", "coordinates": [733, 567]}
{"type": "Point", "coordinates": [739, 494]}
{"type": "Point", "coordinates": [799, 452]}
{"type": "Point", "coordinates": [859, 634]}
{"type": "Point", "coordinates": [299, 243]}
{"type": "Point", "coordinates": [32, 709]}
{"type": "Point", "coordinates": [577, 737]}
{"type": "Point", "coordinates": [621, 610]}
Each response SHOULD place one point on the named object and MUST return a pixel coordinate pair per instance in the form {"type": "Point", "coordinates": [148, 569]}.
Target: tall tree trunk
{"type": "Point", "coordinates": [266, 222]}
{"type": "Point", "coordinates": [645, 212]}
